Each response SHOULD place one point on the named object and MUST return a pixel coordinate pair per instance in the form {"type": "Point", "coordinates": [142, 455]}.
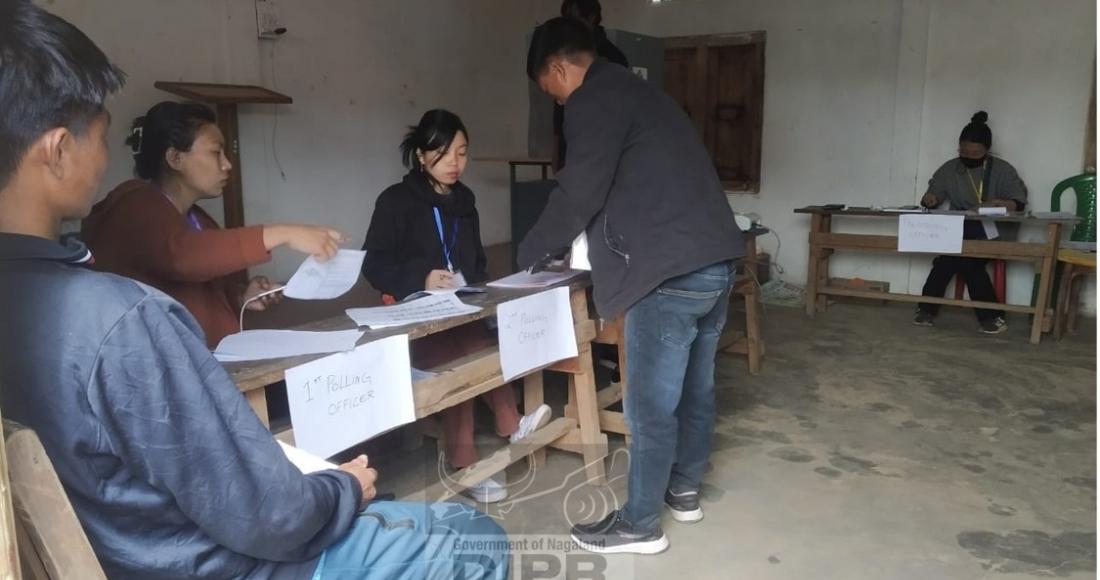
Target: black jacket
{"type": "Point", "coordinates": [640, 182]}
{"type": "Point", "coordinates": [403, 241]}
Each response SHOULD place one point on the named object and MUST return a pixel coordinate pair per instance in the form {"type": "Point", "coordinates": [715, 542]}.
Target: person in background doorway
{"type": "Point", "coordinates": [150, 229]}
{"type": "Point", "coordinates": [591, 13]}
{"type": "Point", "coordinates": [425, 234]}
{"type": "Point", "coordinates": [973, 179]}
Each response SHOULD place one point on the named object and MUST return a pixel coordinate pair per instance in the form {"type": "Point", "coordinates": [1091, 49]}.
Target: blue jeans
{"type": "Point", "coordinates": [671, 339]}
{"type": "Point", "coordinates": [418, 541]}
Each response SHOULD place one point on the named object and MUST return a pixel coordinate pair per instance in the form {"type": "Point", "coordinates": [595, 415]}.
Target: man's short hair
{"type": "Point", "coordinates": [560, 36]}
{"type": "Point", "coordinates": [51, 75]}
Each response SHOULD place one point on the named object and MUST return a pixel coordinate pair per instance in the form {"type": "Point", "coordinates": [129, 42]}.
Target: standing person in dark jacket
{"type": "Point", "coordinates": [661, 240]}
{"type": "Point", "coordinates": [425, 235]}
{"type": "Point", "coordinates": [169, 471]}
{"type": "Point", "coordinates": [590, 13]}
{"type": "Point", "coordinates": [973, 179]}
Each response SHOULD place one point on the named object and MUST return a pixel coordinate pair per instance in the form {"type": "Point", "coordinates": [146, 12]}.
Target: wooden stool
{"type": "Point", "coordinates": [1075, 264]}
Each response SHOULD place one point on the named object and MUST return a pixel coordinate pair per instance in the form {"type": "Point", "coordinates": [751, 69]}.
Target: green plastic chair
{"type": "Point", "coordinates": [1084, 186]}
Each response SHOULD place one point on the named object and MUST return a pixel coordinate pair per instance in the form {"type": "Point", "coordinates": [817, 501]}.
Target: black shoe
{"type": "Point", "coordinates": [993, 326]}
{"type": "Point", "coordinates": [923, 319]}
{"type": "Point", "coordinates": [612, 535]}
{"type": "Point", "coordinates": [684, 506]}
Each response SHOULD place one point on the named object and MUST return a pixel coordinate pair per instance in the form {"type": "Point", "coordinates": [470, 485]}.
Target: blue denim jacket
{"type": "Point", "coordinates": [170, 472]}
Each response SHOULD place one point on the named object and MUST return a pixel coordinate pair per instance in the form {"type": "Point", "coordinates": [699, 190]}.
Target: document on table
{"type": "Point", "coordinates": [316, 280]}
{"type": "Point", "coordinates": [420, 310]}
{"type": "Point", "coordinates": [578, 255]}
{"type": "Point", "coordinates": [266, 344]}
{"type": "Point", "coordinates": [305, 461]}
{"type": "Point", "coordinates": [525, 279]}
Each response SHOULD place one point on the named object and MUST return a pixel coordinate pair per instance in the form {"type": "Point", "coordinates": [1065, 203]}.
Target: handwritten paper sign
{"type": "Point", "coordinates": [349, 397]}
{"type": "Point", "coordinates": [535, 331]}
{"type": "Point", "coordinates": [936, 234]}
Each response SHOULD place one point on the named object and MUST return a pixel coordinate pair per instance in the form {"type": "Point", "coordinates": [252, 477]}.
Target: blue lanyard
{"type": "Point", "coordinates": [443, 242]}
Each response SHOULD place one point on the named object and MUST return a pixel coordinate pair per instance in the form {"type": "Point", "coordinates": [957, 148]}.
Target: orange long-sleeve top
{"type": "Point", "coordinates": [137, 232]}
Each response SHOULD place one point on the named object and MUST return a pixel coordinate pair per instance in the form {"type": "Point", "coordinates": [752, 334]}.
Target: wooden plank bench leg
{"type": "Point", "coordinates": [533, 397]}
{"type": "Point", "coordinates": [257, 399]}
{"type": "Point", "coordinates": [583, 390]}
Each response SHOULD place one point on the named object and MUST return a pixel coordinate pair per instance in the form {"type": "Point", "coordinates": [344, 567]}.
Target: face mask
{"type": "Point", "coordinates": [972, 163]}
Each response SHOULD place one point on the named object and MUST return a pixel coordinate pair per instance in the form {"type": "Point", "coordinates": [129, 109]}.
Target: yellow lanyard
{"type": "Point", "coordinates": [979, 189]}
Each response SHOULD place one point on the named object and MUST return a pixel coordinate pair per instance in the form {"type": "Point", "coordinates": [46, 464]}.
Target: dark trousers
{"type": "Point", "coordinates": [970, 270]}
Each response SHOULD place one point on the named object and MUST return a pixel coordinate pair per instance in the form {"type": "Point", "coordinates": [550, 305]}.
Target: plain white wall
{"type": "Point", "coordinates": [865, 98]}
{"type": "Point", "coordinates": [359, 72]}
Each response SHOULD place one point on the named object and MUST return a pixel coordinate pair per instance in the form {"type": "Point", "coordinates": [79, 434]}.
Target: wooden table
{"type": "Point", "coordinates": [823, 242]}
{"type": "Point", "coordinates": [470, 376]}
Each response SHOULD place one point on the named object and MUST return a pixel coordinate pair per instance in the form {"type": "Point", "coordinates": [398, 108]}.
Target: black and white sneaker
{"type": "Point", "coordinates": [993, 326]}
{"type": "Point", "coordinates": [684, 506]}
{"type": "Point", "coordinates": [612, 535]}
{"type": "Point", "coordinates": [923, 319]}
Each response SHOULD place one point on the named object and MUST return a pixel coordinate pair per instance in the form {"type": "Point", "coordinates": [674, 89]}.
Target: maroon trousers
{"type": "Point", "coordinates": [458, 421]}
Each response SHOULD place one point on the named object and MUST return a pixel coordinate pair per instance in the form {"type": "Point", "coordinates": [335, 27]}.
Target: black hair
{"type": "Point", "coordinates": [584, 10]}
{"type": "Point", "coordinates": [561, 36]}
{"type": "Point", "coordinates": [51, 75]}
{"type": "Point", "coordinates": [435, 131]}
{"type": "Point", "coordinates": [977, 131]}
{"type": "Point", "coordinates": [167, 125]}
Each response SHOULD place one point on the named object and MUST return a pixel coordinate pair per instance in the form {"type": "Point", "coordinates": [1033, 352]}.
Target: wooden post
{"type": "Point", "coordinates": [812, 269]}
{"type": "Point", "coordinates": [1046, 275]}
{"type": "Point", "coordinates": [233, 196]}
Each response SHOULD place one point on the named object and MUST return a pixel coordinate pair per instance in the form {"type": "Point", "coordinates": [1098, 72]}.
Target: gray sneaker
{"type": "Point", "coordinates": [993, 326]}
{"type": "Point", "coordinates": [684, 506]}
{"type": "Point", "coordinates": [923, 319]}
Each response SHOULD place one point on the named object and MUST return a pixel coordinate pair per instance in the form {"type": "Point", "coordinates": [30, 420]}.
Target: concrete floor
{"type": "Point", "coordinates": [866, 449]}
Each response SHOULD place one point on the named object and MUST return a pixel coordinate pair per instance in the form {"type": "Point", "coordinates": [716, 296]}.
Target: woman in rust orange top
{"type": "Point", "coordinates": [150, 229]}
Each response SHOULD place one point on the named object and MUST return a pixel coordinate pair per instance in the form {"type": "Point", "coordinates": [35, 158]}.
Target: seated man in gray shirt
{"type": "Point", "coordinates": [973, 179]}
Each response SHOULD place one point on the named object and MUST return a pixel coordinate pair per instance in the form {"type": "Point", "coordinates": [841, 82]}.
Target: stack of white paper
{"type": "Point", "coordinates": [265, 344]}
{"type": "Point", "coordinates": [420, 310]}
{"type": "Point", "coordinates": [525, 279]}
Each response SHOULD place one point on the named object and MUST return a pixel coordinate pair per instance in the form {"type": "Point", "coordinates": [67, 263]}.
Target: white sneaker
{"type": "Point", "coordinates": [531, 422]}
{"type": "Point", "coordinates": [487, 491]}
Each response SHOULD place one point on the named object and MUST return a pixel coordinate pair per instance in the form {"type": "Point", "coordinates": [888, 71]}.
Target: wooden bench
{"type": "Point", "coordinates": [470, 376]}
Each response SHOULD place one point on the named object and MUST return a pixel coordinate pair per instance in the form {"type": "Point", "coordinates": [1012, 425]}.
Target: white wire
{"type": "Point", "coordinates": [255, 298]}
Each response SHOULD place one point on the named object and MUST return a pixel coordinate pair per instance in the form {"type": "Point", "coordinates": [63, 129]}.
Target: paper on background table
{"type": "Point", "coordinates": [990, 227]}
{"type": "Point", "coordinates": [305, 461]}
{"type": "Point", "coordinates": [992, 211]}
{"type": "Point", "coordinates": [534, 331]}
{"type": "Point", "coordinates": [937, 234]}
{"type": "Point", "coordinates": [524, 279]}
{"type": "Point", "coordinates": [349, 397]}
{"type": "Point", "coordinates": [419, 310]}
{"type": "Point", "coordinates": [265, 344]}
{"type": "Point", "coordinates": [578, 255]}
{"type": "Point", "coordinates": [326, 280]}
